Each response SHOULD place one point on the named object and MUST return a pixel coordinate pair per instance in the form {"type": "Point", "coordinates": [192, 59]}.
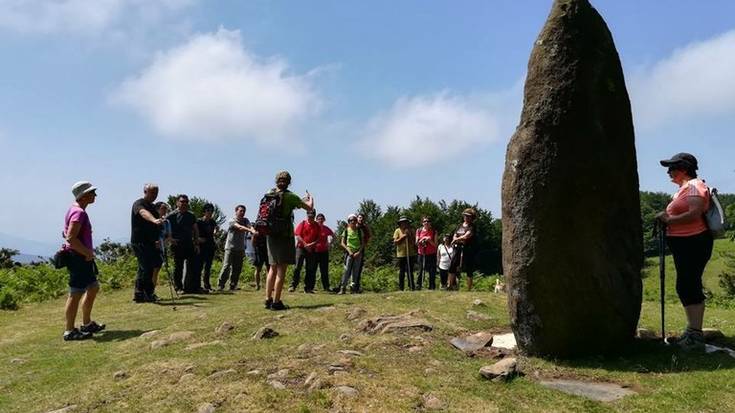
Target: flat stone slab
{"type": "Point", "coordinates": [392, 324]}
{"type": "Point", "coordinates": [505, 341]}
{"type": "Point", "coordinates": [602, 392]}
{"type": "Point", "coordinates": [709, 348]}
{"type": "Point", "coordinates": [473, 342]}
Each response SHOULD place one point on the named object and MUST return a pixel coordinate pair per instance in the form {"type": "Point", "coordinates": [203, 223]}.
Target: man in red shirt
{"type": "Point", "coordinates": [307, 237]}
{"type": "Point", "coordinates": [322, 251]}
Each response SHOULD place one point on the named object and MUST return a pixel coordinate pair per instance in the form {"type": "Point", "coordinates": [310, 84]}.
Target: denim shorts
{"type": "Point", "coordinates": [82, 274]}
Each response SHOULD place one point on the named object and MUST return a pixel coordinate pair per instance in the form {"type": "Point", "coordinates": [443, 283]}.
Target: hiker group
{"type": "Point", "coordinates": [158, 233]}
{"type": "Point", "coordinates": [277, 244]}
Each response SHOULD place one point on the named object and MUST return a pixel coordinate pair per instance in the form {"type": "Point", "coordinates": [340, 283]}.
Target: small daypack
{"type": "Point", "coordinates": [270, 218]}
{"type": "Point", "coordinates": [714, 216]}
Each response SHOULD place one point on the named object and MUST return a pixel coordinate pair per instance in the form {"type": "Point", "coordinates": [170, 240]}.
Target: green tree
{"type": "Point", "coordinates": [6, 257]}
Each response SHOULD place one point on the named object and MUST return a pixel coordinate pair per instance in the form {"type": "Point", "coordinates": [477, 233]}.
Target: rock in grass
{"type": "Point", "coordinates": [149, 334]}
{"type": "Point", "coordinates": [264, 332]}
{"type": "Point", "coordinates": [646, 334]}
{"type": "Point", "coordinates": [119, 375]}
{"type": "Point", "coordinates": [478, 303]}
{"type": "Point", "coordinates": [473, 342]}
{"type": "Point", "coordinates": [431, 402]}
{"type": "Point", "coordinates": [355, 313]}
{"type": "Point", "coordinates": [712, 334]}
{"type": "Point", "coordinates": [220, 374]}
{"type": "Point", "coordinates": [17, 361]}
{"type": "Point", "coordinates": [353, 353]}
{"type": "Point", "coordinates": [280, 374]}
{"type": "Point", "coordinates": [602, 392]}
{"type": "Point", "coordinates": [224, 328]}
{"type": "Point", "coordinates": [310, 379]}
{"type": "Point", "coordinates": [573, 267]}
{"type": "Point", "coordinates": [503, 370]}
{"type": "Point", "coordinates": [66, 409]}
{"type": "Point", "coordinates": [475, 316]}
{"type": "Point", "coordinates": [186, 378]}
{"type": "Point", "coordinates": [200, 345]}
{"type": "Point", "coordinates": [277, 385]}
{"type": "Point", "coordinates": [180, 336]}
{"type": "Point", "coordinates": [394, 324]}
{"type": "Point", "coordinates": [347, 391]}
{"type": "Point", "coordinates": [206, 408]}
{"type": "Point", "coordinates": [159, 343]}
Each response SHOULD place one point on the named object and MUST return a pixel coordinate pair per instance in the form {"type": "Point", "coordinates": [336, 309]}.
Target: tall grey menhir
{"type": "Point", "coordinates": [572, 237]}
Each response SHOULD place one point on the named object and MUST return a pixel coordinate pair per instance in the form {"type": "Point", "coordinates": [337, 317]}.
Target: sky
{"type": "Point", "coordinates": [382, 100]}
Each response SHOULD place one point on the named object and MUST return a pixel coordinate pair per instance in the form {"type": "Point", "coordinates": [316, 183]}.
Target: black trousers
{"type": "Point", "coordinates": [691, 255]}
{"type": "Point", "coordinates": [427, 265]}
{"type": "Point", "coordinates": [148, 256]}
{"type": "Point", "coordinates": [322, 262]}
{"type": "Point", "coordinates": [184, 256]}
{"type": "Point", "coordinates": [307, 259]}
{"type": "Point", "coordinates": [204, 264]}
{"type": "Point", "coordinates": [405, 267]}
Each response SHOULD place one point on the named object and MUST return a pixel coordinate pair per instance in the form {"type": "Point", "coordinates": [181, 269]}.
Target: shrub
{"type": "Point", "coordinates": [727, 283]}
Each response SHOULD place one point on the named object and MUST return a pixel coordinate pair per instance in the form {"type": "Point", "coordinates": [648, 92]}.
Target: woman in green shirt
{"type": "Point", "coordinates": [281, 245]}
{"type": "Point", "coordinates": [353, 243]}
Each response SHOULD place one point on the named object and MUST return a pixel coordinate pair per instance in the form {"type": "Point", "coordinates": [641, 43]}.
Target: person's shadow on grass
{"type": "Point", "coordinates": [653, 356]}
{"type": "Point", "coordinates": [116, 335]}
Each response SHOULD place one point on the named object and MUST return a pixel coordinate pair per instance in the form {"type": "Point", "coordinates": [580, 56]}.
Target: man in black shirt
{"type": "Point", "coordinates": [207, 227]}
{"type": "Point", "coordinates": [183, 234]}
{"type": "Point", "coordinates": [145, 228]}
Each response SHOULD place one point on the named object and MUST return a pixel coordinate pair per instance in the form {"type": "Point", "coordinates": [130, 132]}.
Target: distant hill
{"type": "Point", "coordinates": [28, 258]}
{"type": "Point", "coordinates": [26, 246]}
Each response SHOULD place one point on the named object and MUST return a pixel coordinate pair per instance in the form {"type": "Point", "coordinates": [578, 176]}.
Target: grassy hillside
{"type": "Point", "coordinates": [39, 372]}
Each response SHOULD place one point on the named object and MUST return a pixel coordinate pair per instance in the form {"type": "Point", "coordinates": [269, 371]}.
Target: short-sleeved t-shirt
{"type": "Point", "coordinates": [235, 237]}
{"type": "Point", "coordinates": [445, 256]}
{"type": "Point", "coordinates": [77, 214]}
{"type": "Point", "coordinates": [324, 234]}
{"type": "Point", "coordinates": [308, 231]}
{"type": "Point", "coordinates": [467, 246]}
{"type": "Point", "coordinates": [182, 226]}
{"type": "Point", "coordinates": [426, 249]}
{"type": "Point", "coordinates": [401, 248]}
{"type": "Point", "coordinates": [290, 202]}
{"type": "Point", "coordinates": [141, 230]}
{"type": "Point", "coordinates": [353, 238]}
{"type": "Point", "coordinates": [679, 205]}
{"type": "Point", "coordinates": [206, 231]}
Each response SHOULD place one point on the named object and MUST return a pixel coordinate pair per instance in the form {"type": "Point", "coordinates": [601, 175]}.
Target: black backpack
{"type": "Point", "coordinates": [270, 218]}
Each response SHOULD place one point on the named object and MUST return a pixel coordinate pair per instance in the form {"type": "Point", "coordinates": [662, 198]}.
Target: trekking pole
{"type": "Point", "coordinates": [409, 268]}
{"type": "Point", "coordinates": [170, 280]}
{"type": "Point", "coordinates": [660, 230]}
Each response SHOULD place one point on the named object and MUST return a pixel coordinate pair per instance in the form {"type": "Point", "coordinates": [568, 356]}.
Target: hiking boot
{"type": "Point", "coordinates": [152, 298]}
{"type": "Point", "coordinates": [220, 289]}
{"type": "Point", "coordinates": [291, 289]}
{"type": "Point", "coordinates": [342, 291]}
{"type": "Point", "coordinates": [234, 288]}
{"type": "Point", "coordinates": [268, 303]}
{"type": "Point", "coordinates": [278, 306]}
{"type": "Point", "coordinates": [309, 292]}
{"type": "Point", "coordinates": [691, 340]}
{"type": "Point", "coordinates": [92, 327]}
{"type": "Point", "coordinates": [76, 335]}
{"type": "Point", "coordinates": [140, 298]}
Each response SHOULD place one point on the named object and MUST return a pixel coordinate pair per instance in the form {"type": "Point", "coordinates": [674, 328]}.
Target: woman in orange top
{"type": "Point", "coordinates": [689, 240]}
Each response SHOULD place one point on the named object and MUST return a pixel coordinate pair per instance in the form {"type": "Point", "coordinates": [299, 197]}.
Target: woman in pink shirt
{"type": "Point", "coordinates": [690, 242]}
{"type": "Point", "coordinates": [83, 284]}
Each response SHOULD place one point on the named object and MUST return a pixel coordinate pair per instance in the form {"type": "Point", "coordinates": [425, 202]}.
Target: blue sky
{"type": "Point", "coordinates": [381, 100]}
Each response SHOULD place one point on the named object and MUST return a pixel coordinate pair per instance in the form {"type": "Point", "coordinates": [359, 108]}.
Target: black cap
{"type": "Point", "coordinates": [681, 159]}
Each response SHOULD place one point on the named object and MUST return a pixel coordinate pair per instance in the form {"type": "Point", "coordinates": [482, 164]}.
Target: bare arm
{"type": "Point", "coordinates": [72, 237]}
{"type": "Point", "coordinates": [149, 217]}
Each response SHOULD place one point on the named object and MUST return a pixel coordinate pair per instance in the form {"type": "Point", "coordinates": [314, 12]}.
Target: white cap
{"type": "Point", "coordinates": [351, 216]}
{"type": "Point", "coordinates": [82, 187]}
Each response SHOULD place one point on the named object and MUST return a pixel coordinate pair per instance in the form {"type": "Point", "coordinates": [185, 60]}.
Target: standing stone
{"type": "Point", "coordinates": [572, 237]}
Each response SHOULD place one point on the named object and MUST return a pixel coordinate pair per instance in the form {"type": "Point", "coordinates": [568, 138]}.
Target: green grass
{"type": "Point", "coordinates": [389, 378]}
{"type": "Point", "coordinates": [716, 265]}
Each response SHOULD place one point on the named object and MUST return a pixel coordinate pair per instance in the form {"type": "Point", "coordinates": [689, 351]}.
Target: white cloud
{"type": "Point", "coordinates": [80, 16]}
{"type": "Point", "coordinates": [211, 88]}
{"type": "Point", "coordinates": [696, 81]}
{"type": "Point", "coordinates": [419, 130]}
